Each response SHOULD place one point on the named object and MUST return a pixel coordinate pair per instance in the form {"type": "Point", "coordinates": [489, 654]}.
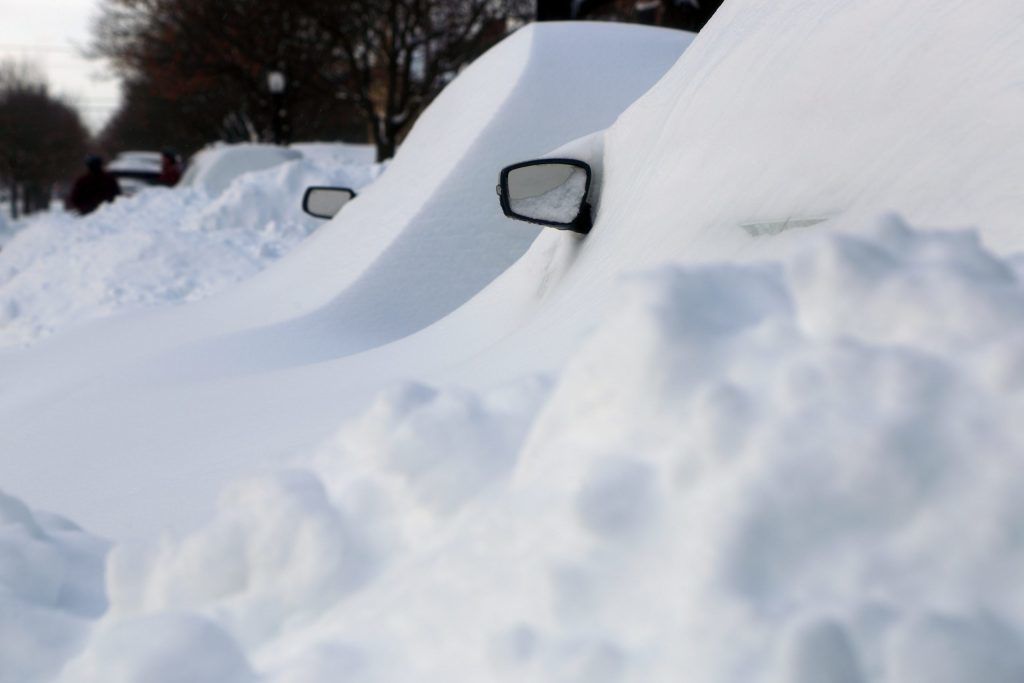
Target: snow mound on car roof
{"type": "Point", "coordinates": [781, 124]}
{"type": "Point", "coordinates": [880, 106]}
{"type": "Point", "coordinates": [213, 169]}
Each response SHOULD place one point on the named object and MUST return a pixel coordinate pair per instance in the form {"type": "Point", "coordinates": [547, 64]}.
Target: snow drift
{"type": "Point", "coordinates": [212, 170]}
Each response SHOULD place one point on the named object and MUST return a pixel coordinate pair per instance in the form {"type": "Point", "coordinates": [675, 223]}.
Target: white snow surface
{"type": "Point", "coordinates": [732, 478]}
{"type": "Point", "coordinates": [671, 448]}
{"type": "Point", "coordinates": [51, 590]}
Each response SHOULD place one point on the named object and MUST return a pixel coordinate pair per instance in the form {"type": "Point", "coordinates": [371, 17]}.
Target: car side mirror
{"type": "Point", "coordinates": [551, 192]}
{"type": "Point", "coordinates": [326, 202]}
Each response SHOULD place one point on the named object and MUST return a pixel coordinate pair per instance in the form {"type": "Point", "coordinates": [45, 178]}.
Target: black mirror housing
{"type": "Point", "coordinates": [326, 202]}
{"type": "Point", "coordinates": [548, 192]}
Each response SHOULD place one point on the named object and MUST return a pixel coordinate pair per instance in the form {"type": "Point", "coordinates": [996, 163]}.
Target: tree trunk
{"type": "Point", "coordinates": [385, 148]}
{"type": "Point", "coordinates": [554, 10]}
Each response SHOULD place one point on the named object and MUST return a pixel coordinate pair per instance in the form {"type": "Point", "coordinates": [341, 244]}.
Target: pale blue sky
{"type": "Point", "coordinates": [50, 33]}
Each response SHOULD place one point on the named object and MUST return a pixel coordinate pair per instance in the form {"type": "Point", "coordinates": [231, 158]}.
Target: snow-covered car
{"type": "Point", "coordinates": [681, 446]}
{"type": "Point", "coordinates": [135, 170]}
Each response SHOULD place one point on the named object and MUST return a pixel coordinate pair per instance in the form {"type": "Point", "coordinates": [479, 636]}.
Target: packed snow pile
{"type": "Point", "coordinates": [51, 589]}
{"type": "Point", "coordinates": [747, 473]}
{"type": "Point", "coordinates": [158, 247]}
{"type": "Point", "coordinates": [212, 170]}
{"type": "Point", "coordinates": [338, 153]}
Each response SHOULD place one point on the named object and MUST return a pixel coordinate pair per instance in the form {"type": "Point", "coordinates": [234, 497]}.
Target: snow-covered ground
{"type": "Point", "coordinates": [240, 212]}
{"type": "Point", "coordinates": [759, 425]}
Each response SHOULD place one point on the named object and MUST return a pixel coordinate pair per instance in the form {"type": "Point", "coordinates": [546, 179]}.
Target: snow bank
{"type": "Point", "coordinates": [213, 169]}
{"type": "Point", "coordinates": [157, 248]}
{"type": "Point", "coordinates": [337, 153]}
{"type": "Point", "coordinates": [730, 479]}
{"type": "Point", "coordinates": [51, 587]}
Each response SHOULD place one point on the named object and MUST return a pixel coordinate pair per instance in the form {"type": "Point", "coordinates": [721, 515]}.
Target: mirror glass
{"type": "Point", "coordinates": [551, 192]}
{"type": "Point", "coordinates": [325, 202]}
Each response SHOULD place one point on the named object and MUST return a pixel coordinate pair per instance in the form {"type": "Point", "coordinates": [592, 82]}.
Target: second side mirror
{"type": "Point", "coordinates": [326, 202]}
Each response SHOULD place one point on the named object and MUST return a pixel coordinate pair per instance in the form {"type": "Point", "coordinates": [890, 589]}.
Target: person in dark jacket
{"type": "Point", "coordinates": [93, 187]}
{"type": "Point", "coordinates": [170, 167]}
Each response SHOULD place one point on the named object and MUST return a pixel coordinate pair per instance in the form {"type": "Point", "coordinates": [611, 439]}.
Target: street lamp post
{"type": "Point", "coordinates": [555, 10]}
{"type": "Point", "coordinates": [276, 84]}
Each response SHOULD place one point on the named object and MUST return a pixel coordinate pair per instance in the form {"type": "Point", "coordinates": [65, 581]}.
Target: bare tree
{"type": "Point", "coordinates": [376, 61]}
{"type": "Point", "coordinates": [205, 61]}
{"type": "Point", "coordinates": [555, 10]}
{"type": "Point", "coordinates": [391, 57]}
{"type": "Point", "coordinates": [42, 139]}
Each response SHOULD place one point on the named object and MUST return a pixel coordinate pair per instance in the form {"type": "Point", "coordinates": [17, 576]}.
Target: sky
{"type": "Point", "coordinates": [52, 34]}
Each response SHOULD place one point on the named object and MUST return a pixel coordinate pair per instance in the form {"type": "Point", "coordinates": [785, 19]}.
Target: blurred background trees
{"type": "Point", "coordinates": [42, 139]}
{"type": "Point", "coordinates": [198, 71]}
{"type": "Point", "coordinates": [390, 58]}
{"type": "Point", "coordinates": [359, 70]}
{"type": "Point", "coordinates": [689, 15]}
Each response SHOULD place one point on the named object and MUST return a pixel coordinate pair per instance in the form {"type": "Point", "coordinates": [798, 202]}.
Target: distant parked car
{"type": "Point", "coordinates": [135, 170]}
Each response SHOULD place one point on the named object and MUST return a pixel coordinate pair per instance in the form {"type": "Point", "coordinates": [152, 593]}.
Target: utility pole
{"type": "Point", "coordinates": [276, 84]}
